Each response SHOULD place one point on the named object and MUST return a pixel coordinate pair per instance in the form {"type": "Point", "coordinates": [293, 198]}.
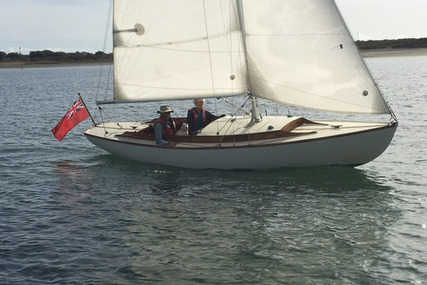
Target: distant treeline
{"type": "Point", "coordinates": [51, 56]}
{"type": "Point", "coordinates": [393, 44]}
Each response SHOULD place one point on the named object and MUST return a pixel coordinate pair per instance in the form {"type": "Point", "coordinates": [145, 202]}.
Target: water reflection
{"type": "Point", "coordinates": [74, 182]}
{"type": "Point", "coordinates": [248, 225]}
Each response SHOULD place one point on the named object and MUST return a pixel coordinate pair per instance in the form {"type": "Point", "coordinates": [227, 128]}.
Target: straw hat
{"type": "Point", "coordinates": [165, 109]}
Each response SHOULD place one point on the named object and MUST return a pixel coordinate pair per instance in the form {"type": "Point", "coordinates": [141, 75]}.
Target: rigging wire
{"type": "Point", "coordinates": [106, 35]}
{"type": "Point", "coordinates": [209, 54]}
{"type": "Point", "coordinates": [101, 68]}
{"type": "Point", "coordinates": [233, 116]}
{"type": "Point", "coordinates": [209, 47]}
{"type": "Point", "coordinates": [235, 106]}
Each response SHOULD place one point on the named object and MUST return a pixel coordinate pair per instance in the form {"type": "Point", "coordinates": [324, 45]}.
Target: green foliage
{"type": "Point", "coordinates": [14, 56]}
{"type": "Point", "coordinates": [392, 44]}
{"type": "Point", "coordinates": [60, 56]}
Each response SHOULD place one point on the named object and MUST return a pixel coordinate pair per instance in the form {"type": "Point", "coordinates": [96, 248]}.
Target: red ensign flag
{"type": "Point", "coordinates": [72, 118]}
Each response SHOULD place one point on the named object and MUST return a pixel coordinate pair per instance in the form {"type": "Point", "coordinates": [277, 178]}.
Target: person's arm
{"type": "Point", "coordinates": [210, 117]}
{"type": "Point", "coordinates": [159, 129]}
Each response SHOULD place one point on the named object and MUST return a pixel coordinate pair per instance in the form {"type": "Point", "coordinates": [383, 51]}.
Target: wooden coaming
{"type": "Point", "coordinates": [286, 131]}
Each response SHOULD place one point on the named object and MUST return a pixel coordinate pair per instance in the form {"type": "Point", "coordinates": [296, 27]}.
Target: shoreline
{"type": "Point", "coordinates": [22, 65]}
{"type": "Point", "coordinates": [373, 53]}
{"type": "Point", "coordinates": [393, 52]}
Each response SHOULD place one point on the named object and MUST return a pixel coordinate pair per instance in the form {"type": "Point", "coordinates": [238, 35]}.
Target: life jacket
{"type": "Point", "coordinates": [196, 115]}
{"type": "Point", "coordinates": [170, 128]}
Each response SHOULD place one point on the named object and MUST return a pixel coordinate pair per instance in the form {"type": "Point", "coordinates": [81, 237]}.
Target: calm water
{"type": "Point", "coordinates": [72, 214]}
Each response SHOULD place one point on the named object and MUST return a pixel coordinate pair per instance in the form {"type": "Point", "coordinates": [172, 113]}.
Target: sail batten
{"type": "Point", "coordinates": [296, 52]}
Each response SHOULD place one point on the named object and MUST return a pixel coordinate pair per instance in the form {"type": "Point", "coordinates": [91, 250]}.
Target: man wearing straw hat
{"type": "Point", "coordinates": [165, 128]}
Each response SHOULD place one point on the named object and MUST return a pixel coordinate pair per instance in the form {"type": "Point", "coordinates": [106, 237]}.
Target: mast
{"type": "Point", "coordinates": [256, 117]}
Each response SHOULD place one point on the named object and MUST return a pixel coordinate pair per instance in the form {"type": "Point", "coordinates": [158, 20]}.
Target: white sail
{"type": "Point", "coordinates": [180, 49]}
{"type": "Point", "coordinates": [299, 52]}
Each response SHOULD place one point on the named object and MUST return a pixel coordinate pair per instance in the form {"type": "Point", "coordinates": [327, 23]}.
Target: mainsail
{"type": "Point", "coordinates": [297, 52]}
{"type": "Point", "coordinates": [189, 49]}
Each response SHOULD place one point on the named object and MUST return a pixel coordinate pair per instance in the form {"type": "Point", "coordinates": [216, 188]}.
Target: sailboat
{"type": "Point", "coordinates": [293, 52]}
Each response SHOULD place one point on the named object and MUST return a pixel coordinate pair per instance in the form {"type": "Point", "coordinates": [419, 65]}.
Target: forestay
{"type": "Point", "coordinates": [299, 52]}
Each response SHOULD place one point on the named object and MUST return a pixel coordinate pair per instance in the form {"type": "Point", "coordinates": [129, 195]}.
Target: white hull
{"type": "Point", "coordinates": [350, 144]}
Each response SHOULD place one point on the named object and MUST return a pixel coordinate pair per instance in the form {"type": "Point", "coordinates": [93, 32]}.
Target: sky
{"type": "Point", "coordinates": [81, 25]}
